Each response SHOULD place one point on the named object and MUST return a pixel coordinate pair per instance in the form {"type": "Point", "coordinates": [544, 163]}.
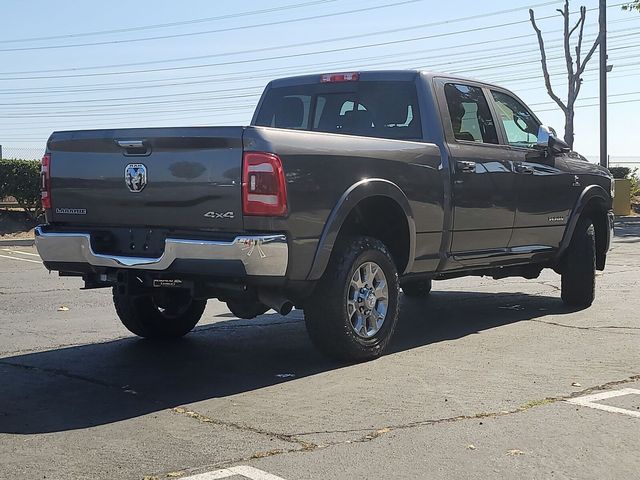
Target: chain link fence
{"type": "Point", "coordinates": [23, 153]}
{"type": "Point", "coordinates": [631, 162]}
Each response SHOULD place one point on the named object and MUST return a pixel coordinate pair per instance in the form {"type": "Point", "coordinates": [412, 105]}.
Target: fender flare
{"type": "Point", "coordinates": [588, 194]}
{"type": "Point", "coordinates": [370, 187]}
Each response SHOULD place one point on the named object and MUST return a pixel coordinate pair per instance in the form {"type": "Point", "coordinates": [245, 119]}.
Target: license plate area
{"type": "Point", "coordinates": [129, 242]}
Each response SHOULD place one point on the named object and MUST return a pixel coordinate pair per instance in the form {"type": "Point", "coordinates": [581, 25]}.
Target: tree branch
{"type": "Point", "coordinates": [567, 44]}
{"type": "Point", "coordinates": [588, 57]}
{"type": "Point", "coordinates": [595, 45]}
{"type": "Point", "coordinates": [577, 24]}
{"type": "Point", "coordinates": [581, 22]}
{"type": "Point", "coordinates": [543, 61]}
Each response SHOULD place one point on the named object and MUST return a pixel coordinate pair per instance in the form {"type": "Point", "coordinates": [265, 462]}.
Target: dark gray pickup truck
{"type": "Point", "coordinates": [344, 189]}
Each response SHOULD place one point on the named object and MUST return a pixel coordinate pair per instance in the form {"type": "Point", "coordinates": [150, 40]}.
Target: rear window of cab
{"type": "Point", "coordinates": [385, 109]}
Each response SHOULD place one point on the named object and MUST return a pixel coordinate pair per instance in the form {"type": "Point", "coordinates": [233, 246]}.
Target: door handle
{"type": "Point", "coordinates": [524, 169]}
{"type": "Point", "coordinates": [466, 167]}
{"type": "Point", "coordinates": [134, 147]}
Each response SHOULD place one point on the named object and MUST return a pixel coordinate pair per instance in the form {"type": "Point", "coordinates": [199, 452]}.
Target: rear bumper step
{"type": "Point", "coordinates": [261, 255]}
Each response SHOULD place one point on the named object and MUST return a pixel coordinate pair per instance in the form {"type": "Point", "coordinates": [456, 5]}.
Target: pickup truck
{"type": "Point", "coordinates": [345, 189]}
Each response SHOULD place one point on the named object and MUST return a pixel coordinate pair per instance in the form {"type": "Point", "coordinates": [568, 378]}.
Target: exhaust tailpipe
{"type": "Point", "coordinates": [276, 301]}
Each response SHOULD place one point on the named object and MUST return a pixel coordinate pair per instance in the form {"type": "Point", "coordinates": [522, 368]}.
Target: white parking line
{"type": "Point", "coordinates": [242, 470]}
{"type": "Point", "coordinates": [20, 252]}
{"type": "Point", "coordinates": [20, 259]}
{"type": "Point", "coordinates": [590, 401]}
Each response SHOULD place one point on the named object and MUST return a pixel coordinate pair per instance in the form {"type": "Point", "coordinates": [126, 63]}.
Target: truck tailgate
{"type": "Point", "coordinates": [181, 178]}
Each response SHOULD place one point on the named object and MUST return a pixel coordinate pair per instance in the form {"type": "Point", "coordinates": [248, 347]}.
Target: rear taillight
{"type": "Point", "coordinates": [45, 178]}
{"type": "Point", "coordinates": [264, 190]}
{"type": "Point", "coordinates": [339, 77]}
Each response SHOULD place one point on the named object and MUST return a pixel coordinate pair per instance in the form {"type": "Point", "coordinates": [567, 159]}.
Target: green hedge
{"type": "Point", "coordinates": [620, 172]}
{"type": "Point", "coordinates": [21, 179]}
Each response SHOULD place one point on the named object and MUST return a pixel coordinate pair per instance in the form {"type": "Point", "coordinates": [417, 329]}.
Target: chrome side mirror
{"type": "Point", "coordinates": [544, 134]}
{"type": "Point", "coordinates": [549, 142]}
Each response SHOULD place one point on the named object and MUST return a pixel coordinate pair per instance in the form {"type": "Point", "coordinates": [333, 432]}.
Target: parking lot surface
{"type": "Point", "coordinates": [485, 379]}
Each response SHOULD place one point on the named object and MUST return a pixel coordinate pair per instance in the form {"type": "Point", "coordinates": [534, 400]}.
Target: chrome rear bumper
{"type": "Point", "coordinates": [263, 255]}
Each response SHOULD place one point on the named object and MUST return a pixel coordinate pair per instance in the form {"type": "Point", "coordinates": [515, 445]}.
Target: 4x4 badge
{"type": "Point", "coordinates": [219, 215]}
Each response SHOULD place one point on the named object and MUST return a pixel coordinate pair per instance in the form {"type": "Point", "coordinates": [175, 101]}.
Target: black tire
{"type": "Point", "coordinates": [417, 288]}
{"type": "Point", "coordinates": [172, 315]}
{"type": "Point", "coordinates": [579, 267]}
{"type": "Point", "coordinates": [246, 309]}
{"type": "Point", "coordinates": [328, 322]}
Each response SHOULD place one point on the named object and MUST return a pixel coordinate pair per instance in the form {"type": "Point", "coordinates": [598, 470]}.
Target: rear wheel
{"type": "Point", "coordinates": [579, 267]}
{"type": "Point", "coordinates": [166, 314]}
{"type": "Point", "coordinates": [353, 311]}
{"type": "Point", "coordinates": [417, 288]}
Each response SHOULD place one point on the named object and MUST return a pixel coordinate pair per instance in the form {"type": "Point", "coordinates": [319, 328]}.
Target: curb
{"type": "Point", "coordinates": [27, 242]}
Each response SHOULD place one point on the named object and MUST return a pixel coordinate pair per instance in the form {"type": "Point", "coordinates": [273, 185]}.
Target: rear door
{"type": "Point", "coordinates": [179, 178]}
{"type": "Point", "coordinates": [484, 197]}
{"type": "Point", "coordinates": [545, 195]}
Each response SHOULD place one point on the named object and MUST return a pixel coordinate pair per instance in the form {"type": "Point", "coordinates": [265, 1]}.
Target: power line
{"type": "Point", "coordinates": [594, 105]}
{"type": "Point", "coordinates": [295, 45]}
{"type": "Point", "coordinates": [588, 98]}
{"type": "Point", "coordinates": [208, 32]}
{"type": "Point", "coordinates": [216, 107]}
{"type": "Point", "coordinates": [225, 77]}
{"type": "Point", "coordinates": [173, 24]}
{"type": "Point", "coordinates": [183, 94]}
{"type": "Point", "coordinates": [241, 75]}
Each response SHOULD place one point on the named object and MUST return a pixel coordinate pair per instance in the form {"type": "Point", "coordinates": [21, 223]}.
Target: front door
{"type": "Point", "coordinates": [484, 194]}
{"type": "Point", "coordinates": [546, 191]}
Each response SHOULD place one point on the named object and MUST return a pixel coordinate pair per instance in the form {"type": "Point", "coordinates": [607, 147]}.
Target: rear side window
{"type": "Point", "coordinates": [373, 109]}
{"type": "Point", "coordinates": [471, 118]}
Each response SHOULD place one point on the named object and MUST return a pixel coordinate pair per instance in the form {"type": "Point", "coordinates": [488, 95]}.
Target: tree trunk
{"type": "Point", "coordinates": [568, 127]}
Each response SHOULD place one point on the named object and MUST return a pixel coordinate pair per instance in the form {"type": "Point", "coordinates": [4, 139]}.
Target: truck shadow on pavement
{"type": "Point", "coordinates": [97, 384]}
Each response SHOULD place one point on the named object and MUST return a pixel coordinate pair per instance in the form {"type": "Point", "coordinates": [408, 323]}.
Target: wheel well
{"type": "Point", "coordinates": [596, 210]}
{"type": "Point", "coordinates": [382, 218]}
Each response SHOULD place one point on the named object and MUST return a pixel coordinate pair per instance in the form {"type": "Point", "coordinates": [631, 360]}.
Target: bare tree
{"type": "Point", "coordinates": [575, 69]}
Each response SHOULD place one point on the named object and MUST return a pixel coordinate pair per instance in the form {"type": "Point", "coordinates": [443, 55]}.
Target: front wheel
{"type": "Point", "coordinates": [166, 314]}
{"type": "Point", "coordinates": [353, 311]}
{"type": "Point", "coordinates": [579, 269]}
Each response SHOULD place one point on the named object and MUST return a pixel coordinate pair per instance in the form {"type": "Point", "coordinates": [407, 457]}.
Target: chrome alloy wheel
{"type": "Point", "coordinates": [367, 299]}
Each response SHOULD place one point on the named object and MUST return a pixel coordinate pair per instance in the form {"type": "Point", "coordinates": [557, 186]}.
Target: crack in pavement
{"type": "Point", "coordinates": [245, 428]}
{"type": "Point", "coordinates": [370, 435]}
{"type": "Point", "coordinates": [590, 327]}
{"type": "Point", "coordinates": [373, 434]}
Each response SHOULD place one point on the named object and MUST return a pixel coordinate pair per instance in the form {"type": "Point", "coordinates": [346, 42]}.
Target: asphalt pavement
{"type": "Point", "coordinates": [485, 379]}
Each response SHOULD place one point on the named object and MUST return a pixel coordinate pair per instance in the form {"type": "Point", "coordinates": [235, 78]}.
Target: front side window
{"type": "Point", "coordinates": [520, 126]}
{"type": "Point", "coordinates": [471, 118]}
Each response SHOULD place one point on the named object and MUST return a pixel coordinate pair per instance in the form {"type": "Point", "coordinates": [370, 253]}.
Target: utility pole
{"type": "Point", "coordinates": [604, 158]}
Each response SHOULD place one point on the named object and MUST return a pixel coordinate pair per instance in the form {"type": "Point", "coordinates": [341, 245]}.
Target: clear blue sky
{"type": "Point", "coordinates": [223, 85]}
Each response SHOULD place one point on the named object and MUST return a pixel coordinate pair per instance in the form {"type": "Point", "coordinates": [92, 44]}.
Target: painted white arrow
{"type": "Point", "coordinates": [242, 470]}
